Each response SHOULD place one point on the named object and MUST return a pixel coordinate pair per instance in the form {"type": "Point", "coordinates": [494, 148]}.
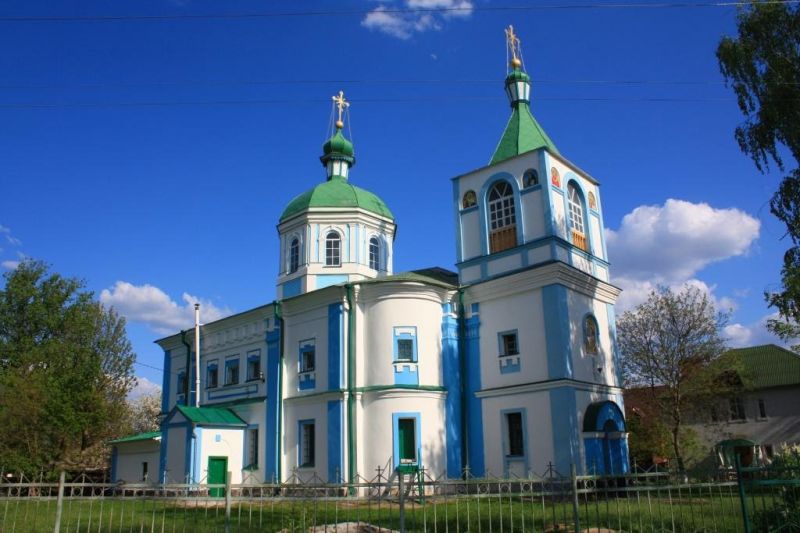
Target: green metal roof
{"type": "Point", "coordinates": [338, 144]}
{"type": "Point", "coordinates": [138, 437]}
{"type": "Point", "coordinates": [430, 276]}
{"type": "Point", "coordinates": [522, 134]}
{"type": "Point", "coordinates": [767, 366]}
{"type": "Point", "coordinates": [211, 416]}
{"type": "Point", "coordinates": [336, 192]}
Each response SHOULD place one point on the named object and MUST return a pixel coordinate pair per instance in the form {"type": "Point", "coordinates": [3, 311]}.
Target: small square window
{"type": "Point", "coordinates": [405, 350]}
{"type": "Point", "coordinates": [307, 358]}
{"type": "Point", "coordinates": [508, 344]}
{"type": "Point", "coordinates": [405, 344]}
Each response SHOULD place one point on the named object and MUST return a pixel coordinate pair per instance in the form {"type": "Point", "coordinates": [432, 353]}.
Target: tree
{"type": "Point", "coordinates": [66, 366]}
{"type": "Point", "coordinates": [762, 64]}
{"type": "Point", "coordinates": [668, 345]}
{"type": "Point", "coordinates": [144, 413]}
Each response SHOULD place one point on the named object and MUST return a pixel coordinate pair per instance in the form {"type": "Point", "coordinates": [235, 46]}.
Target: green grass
{"type": "Point", "coordinates": [660, 512]}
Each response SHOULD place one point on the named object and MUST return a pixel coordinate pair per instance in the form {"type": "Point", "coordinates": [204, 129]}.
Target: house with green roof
{"type": "Point", "coordinates": [507, 367]}
{"type": "Point", "coordinates": [764, 416]}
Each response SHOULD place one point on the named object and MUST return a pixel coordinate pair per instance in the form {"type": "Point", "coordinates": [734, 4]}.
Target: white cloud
{"type": "Point", "coordinates": [6, 232]}
{"type": "Point", "coordinates": [636, 291]}
{"type": "Point", "coordinates": [387, 18]}
{"type": "Point", "coordinates": [10, 265]}
{"type": "Point", "coordinates": [752, 334]}
{"type": "Point", "coordinates": [150, 305]}
{"type": "Point", "coordinates": [144, 387]}
{"type": "Point", "coordinates": [671, 243]}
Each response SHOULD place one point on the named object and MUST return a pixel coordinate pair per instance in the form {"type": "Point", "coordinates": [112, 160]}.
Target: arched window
{"type": "Point", "coordinates": [502, 217]}
{"type": "Point", "coordinates": [576, 217]}
{"type": "Point", "coordinates": [294, 255]}
{"type": "Point", "coordinates": [470, 199]}
{"type": "Point", "coordinates": [590, 335]}
{"type": "Point", "coordinates": [333, 249]}
{"type": "Point", "coordinates": [530, 178]}
{"type": "Point", "coordinates": [374, 253]}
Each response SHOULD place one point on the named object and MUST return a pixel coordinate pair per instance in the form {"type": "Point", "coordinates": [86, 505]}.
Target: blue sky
{"type": "Point", "coordinates": [152, 157]}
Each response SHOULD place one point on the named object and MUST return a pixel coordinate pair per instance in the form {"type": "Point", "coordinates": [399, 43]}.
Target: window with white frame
{"type": "Point", "coordinates": [508, 343]}
{"type": "Point", "coordinates": [374, 253]}
{"type": "Point", "coordinates": [307, 356]}
{"type": "Point", "coordinates": [232, 370]}
{"type": "Point", "coordinates": [515, 435]}
{"type": "Point", "coordinates": [252, 448]}
{"type": "Point", "coordinates": [212, 375]}
{"type": "Point", "coordinates": [502, 217]}
{"type": "Point", "coordinates": [575, 205]}
{"type": "Point", "coordinates": [253, 365]}
{"type": "Point", "coordinates": [306, 451]}
{"type": "Point", "coordinates": [294, 255]}
{"type": "Point", "coordinates": [333, 249]}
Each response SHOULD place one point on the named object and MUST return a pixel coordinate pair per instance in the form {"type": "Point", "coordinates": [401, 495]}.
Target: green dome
{"type": "Point", "coordinates": [517, 75]}
{"type": "Point", "coordinates": [338, 145]}
{"type": "Point", "coordinates": [336, 192]}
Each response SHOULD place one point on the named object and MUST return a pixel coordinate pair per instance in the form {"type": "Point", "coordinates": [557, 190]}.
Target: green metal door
{"type": "Point", "coordinates": [407, 440]}
{"type": "Point", "coordinates": [217, 472]}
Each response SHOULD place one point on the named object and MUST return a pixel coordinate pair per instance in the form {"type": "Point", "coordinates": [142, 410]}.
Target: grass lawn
{"type": "Point", "coordinates": [505, 513]}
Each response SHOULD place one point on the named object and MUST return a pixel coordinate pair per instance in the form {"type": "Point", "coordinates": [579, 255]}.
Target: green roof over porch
{"type": "Point", "coordinates": [211, 416]}
{"type": "Point", "coordinates": [152, 435]}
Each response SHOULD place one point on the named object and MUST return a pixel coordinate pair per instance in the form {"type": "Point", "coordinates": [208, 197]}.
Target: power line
{"type": "Point", "coordinates": [176, 103]}
{"type": "Point", "coordinates": [494, 81]}
{"type": "Point", "coordinates": [387, 10]}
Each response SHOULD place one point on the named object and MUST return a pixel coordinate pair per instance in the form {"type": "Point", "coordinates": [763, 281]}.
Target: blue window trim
{"type": "Point", "coordinates": [507, 459]}
{"type": "Point", "coordinates": [396, 436]}
{"type": "Point", "coordinates": [212, 365]}
{"type": "Point", "coordinates": [300, 424]}
{"type": "Point", "coordinates": [500, 342]}
{"type": "Point", "coordinates": [483, 203]}
{"type": "Point", "coordinates": [396, 336]}
{"type": "Point", "coordinates": [230, 362]}
{"type": "Point", "coordinates": [302, 346]}
{"type": "Point", "coordinates": [254, 355]}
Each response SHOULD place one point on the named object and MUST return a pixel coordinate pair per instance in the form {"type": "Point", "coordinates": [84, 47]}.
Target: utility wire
{"type": "Point", "coordinates": [388, 10]}
{"type": "Point", "coordinates": [80, 105]}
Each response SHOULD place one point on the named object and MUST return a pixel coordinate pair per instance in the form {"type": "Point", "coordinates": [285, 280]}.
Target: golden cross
{"type": "Point", "coordinates": [513, 44]}
{"type": "Point", "coordinates": [341, 104]}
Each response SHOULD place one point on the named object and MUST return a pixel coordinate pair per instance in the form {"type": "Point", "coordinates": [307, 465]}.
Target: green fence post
{"type": "Point", "coordinates": [228, 503]}
{"type": "Point", "coordinates": [401, 500]}
{"type": "Point", "coordinates": [742, 495]}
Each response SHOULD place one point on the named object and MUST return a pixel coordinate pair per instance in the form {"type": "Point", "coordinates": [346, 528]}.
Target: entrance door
{"type": "Point", "coordinates": [407, 440]}
{"type": "Point", "coordinates": [217, 472]}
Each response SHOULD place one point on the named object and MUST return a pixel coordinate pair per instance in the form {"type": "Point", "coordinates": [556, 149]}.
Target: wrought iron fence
{"type": "Point", "coordinates": [392, 501]}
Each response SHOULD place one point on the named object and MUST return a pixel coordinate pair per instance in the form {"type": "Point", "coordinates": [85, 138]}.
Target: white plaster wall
{"type": "Point", "coordinates": [471, 235]}
{"type": "Point", "coordinates": [539, 445]}
{"type": "Point", "coordinates": [601, 273]}
{"type": "Point", "coordinates": [532, 203]}
{"type": "Point", "coordinates": [375, 430]}
{"type": "Point", "coordinates": [580, 262]}
{"type": "Point", "coordinates": [131, 455]}
{"type": "Point", "coordinates": [469, 274]}
{"type": "Point", "coordinates": [376, 331]}
{"type": "Point", "coordinates": [221, 443]}
{"type": "Point", "coordinates": [311, 324]}
{"type": "Point", "coordinates": [255, 414]}
{"type": "Point", "coordinates": [176, 456]}
{"type": "Point", "coordinates": [557, 209]}
{"type": "Point", "coordinates": [295, 411]}
{"type": "Point", "coordinates": [585, 366]}
{"type": "Point", "coordinates": [524, 313]}
{"type": "Point", "coordinates": [597, 243]}
{"type": "Point", "coordinates": [504, 264]}
{"type": "Point", "coordinates": [538, 255]}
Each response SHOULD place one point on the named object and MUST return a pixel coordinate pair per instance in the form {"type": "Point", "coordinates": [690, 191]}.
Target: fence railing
{"type": "Point", "coordinates": [392, 501]}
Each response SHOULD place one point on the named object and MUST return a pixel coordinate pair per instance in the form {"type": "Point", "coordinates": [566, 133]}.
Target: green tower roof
{"type": "Point", "coordinates": [338, 145]}
{"type": "Point", "coordinates": [336, 192]}
{"type": "Point", "coordinates": [522, 133]}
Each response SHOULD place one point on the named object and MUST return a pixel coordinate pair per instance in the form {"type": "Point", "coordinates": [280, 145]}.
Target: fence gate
{"type": "Point", "coordinates": [770, 496]}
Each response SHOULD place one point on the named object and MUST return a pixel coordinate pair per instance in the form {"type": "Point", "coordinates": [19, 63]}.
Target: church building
{"type": "Point", "coordinates": [503, 368]}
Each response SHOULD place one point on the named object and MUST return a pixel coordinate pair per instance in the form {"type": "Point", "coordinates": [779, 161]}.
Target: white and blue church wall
{"type": "Point", "coordinates": [304, 264]}
{"type": "Point", "coordinates": [539, 187]}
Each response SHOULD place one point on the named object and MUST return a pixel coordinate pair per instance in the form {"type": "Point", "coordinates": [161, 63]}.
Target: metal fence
{"type": "Point", "coordinates": [415, 501]}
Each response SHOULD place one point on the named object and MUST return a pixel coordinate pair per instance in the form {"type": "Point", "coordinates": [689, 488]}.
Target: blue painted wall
{"type": "Point", "coordinates": [565, 424]}
{"type": "Point", "coordinates": [271, 424]}
{"type": "Point", "coordinates": [335, 346]}
{"type": "Point", "coordinates": [474, 405]}
{"type": "Point", "coordinates": [557, 331]}
{"type": "Point", "coordinates": [292, 287]}
{"type": "Point", "coordinates": [335, 441]}
{"type": "Point", "coordinates": [451, 376]}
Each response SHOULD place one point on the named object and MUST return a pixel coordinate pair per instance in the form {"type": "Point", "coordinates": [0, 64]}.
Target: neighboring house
{"type": "Point", "coordinates": [134, 459]}
{"type": "Point", "coordinates": [503, 368]}
{"type": "Point", "coordinates": [757, 422]}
